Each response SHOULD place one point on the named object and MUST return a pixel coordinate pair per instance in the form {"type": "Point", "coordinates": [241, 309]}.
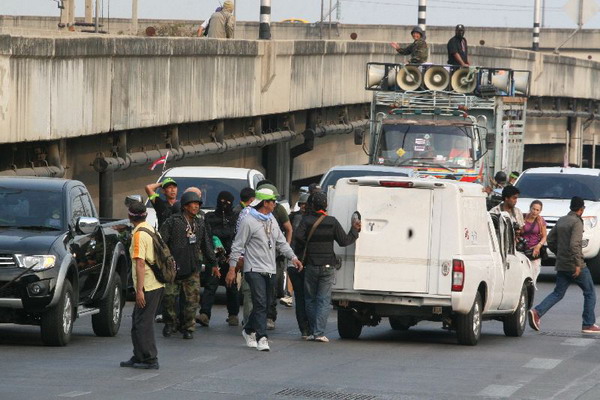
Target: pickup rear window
{"type": "Point", "coordinates": [559, 186]}
{"type": "Point", "coordinates": [31, 209]}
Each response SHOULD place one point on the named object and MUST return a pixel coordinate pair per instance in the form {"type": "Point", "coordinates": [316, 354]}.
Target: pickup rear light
{"type": "Point", "coordinates": [396, 184]}
{"type": "Point", "coordinates": [458, 275]}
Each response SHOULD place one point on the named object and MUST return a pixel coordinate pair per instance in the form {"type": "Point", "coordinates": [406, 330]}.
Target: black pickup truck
{"type": "Point", "coordinates": [58, 261]}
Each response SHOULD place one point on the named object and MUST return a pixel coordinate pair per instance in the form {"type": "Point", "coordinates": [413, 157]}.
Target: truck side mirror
{"type": "Point", "coordinates": [87, 225]}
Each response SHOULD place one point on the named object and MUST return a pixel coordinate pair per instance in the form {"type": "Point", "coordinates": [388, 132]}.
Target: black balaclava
{"type": "Point", "coordinates": [224, 208]}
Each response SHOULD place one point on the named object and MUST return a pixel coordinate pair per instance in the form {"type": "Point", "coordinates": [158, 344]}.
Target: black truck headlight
{"type": "Point", "coordinates": [36, 263]}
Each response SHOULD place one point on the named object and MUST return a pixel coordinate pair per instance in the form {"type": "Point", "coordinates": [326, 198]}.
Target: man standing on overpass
{"type": "Point", "coordinates": [458, 53]}
{"type": "Point", "coordinates": [222, 23]}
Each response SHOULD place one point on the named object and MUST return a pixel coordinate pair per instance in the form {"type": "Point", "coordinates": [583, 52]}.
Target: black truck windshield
{"type": "Point", "coordinates": [35, 209]}
{"type": "Point", "coordinates": [559, 186]}
{"type": "Point", "coordinates": [444, 146]}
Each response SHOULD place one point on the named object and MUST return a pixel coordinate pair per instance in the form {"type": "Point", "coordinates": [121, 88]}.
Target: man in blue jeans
{"type": "Point", "coordinates": [565, 240]}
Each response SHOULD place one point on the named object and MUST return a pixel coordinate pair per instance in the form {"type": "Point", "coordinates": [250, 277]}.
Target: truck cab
{"type": "Point", "coordinates": [428, 250]}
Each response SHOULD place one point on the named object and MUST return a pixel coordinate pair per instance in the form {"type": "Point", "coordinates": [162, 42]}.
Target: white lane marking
{"type": "Point", "coordinates": [73, 394]}
{"type": "Point", "coordinates": [203, 359]}
{"type": "Point", "coordinates": [142, 377]}
{"type": "Point", "coordinates": [578, 342]}
{"type": "Point", "coordinates": [542, 363]}
{"type": "Point", "coordinates": [499, 391]}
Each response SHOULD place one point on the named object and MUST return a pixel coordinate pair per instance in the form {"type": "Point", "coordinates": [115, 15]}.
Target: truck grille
{"type": "Point", "coordinates": [550, 222]}
{"type": "Point", "coordinates": [7, 261]}
{"type": "Point", "coordinates": [11, 292]}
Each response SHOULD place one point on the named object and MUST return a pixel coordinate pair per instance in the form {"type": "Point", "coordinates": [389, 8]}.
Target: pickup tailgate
{"type": "Point", "coordinates": [392, 253]}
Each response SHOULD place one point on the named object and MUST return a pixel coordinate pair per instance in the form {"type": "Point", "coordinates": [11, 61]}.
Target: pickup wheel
{"type": "Point", "coordinates": [468, 326]}
{"type": "Point", "coordinates": [349, 327]}
{"type": "Point", "coordinates": [57, 322]}
{"type": "Point", "coordinates": [514, 324]}
{"type": "Point", "coordinates": [399, 324]}
{"type": "Point", "coordinates": [108, 320]}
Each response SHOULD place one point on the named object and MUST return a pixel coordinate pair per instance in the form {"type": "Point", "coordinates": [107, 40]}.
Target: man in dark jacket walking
{"type": "Point", "coordinates": [320, 260]}
{"type": "Point", "coordinates": [187, 238]}
{"type": "Point", "coordinates": [564, 240]}
{"type": "Point", "coordinates": [222, 225]}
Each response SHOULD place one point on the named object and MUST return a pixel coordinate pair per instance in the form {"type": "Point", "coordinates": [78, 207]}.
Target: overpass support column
{"type": "Point", "coordinates": [575, 128]}
{"type": "Point", "coordinates": [106, 193]}
{"type": "Point", "coordinates": [277, 166]}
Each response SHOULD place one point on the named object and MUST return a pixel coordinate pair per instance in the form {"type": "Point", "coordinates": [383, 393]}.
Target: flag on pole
{"type": "Point", "coordinates": [162, 160]}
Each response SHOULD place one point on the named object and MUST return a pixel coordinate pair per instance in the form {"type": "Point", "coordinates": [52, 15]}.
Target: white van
{"type": "Point", "coordinates": [211, 180]}
{"type": "Point", "coordinates": [428, 250]}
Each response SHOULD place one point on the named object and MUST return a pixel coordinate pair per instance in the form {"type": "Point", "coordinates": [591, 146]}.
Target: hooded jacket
{"type": "Point", "coordinates": [223, 221]}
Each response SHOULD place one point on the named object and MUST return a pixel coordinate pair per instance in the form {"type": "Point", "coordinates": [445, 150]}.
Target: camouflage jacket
{"type": "Point", "coordinates": [418, 51]}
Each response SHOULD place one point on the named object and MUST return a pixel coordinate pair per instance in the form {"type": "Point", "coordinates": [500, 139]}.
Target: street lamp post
{"type": "Point", "coordinates": [264, 30]}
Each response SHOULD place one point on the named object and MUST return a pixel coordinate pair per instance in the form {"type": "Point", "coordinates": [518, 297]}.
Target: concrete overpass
{"type": "Point", "coordinates": [118, 103]}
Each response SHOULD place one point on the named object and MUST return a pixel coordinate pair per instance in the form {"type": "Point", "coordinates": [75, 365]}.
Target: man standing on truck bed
{"type": "Point", "coordinates": [164, 208]}
{"type": "Point", "coordinates": [417, 50]}
{"type": "Point", "coordinates": [510, 195]}
{"type": "Point", "coordinates": [564, 240]}
{"type": "Point", "coordinates": [458, 53]}
{"type": "Point", "coordinates": [148, 292]}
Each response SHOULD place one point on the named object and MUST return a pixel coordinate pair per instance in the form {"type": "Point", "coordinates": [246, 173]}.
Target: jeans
{"type": "Point", "coordinates": [210, 289]}
{"type": "Point", "coordinates": [318, 281]}
{"type": "Point", "coordinates": [297, 279]}
{"type": "Point", "coordinates": [278, 291]}
{"type": "Point", "coordinates": [142, 328]}
{"type": "Point", "coordinates": [261, 289]}
{"type": "Point", "coordinates": [563, 280]}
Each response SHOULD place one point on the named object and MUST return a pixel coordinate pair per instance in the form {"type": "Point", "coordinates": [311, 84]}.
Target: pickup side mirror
{"type": "Point", "coordinates": [87, 225]}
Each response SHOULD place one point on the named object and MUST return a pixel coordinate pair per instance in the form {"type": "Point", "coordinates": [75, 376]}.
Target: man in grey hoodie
{"type": "Point", "coordinates": [259, 238]}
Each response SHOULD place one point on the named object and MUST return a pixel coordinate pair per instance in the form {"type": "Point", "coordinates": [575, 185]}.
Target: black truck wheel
{"type": "Point", "coordinates": [349, 327]}
{"type": "Point", "coordinates": [468, 326]}
{"type": "Point", "coordinates": [399, 323]}
{"type": "Point", "coordinates": [514, 324]}
{"type": "Point", "coordinates": [108, 321]}
{"type": "Point", "coordinates": [57, 322]}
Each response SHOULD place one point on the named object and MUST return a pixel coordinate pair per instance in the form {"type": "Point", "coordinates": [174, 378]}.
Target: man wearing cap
{"type": "Point", "coordinates": [417, 50]}
{"type": "Point", "coordinates": [148, 292]}
{"type": "Point", "coordinates": [259, 238]}
{"type": "Point", "coordinates": [458, 53]}
{"type": "Point", "coordinates": [188, 239]}
{"type": "Point", "coordinates": [222, 23]}
{"type": "Point", "coordinates": [164, 208]}
{"type": "Point", "coordinates": [565, 240]}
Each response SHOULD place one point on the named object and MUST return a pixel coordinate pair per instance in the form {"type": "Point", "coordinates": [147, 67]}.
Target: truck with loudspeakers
{"type": "Point", "coordinates": [463, 123]}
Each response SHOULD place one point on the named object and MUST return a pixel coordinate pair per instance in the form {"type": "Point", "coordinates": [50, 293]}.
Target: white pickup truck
{"type": "Point", "coordinates": [428, 250]}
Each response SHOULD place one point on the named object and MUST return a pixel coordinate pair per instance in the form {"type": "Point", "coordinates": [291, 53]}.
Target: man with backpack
{"type": "Point", "coordinates": [148, 291]}
{"type": "Point", "coordinates": [188, 239]}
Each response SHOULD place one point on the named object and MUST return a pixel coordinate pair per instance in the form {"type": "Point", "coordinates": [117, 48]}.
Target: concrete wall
{"type": "Point", "coordinates": [60, 88]}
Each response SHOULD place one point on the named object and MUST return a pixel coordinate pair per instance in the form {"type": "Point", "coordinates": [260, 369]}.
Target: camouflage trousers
{"type": "Point", "coordinates": [191, 289]}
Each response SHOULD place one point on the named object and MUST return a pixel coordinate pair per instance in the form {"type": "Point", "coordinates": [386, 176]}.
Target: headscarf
{"type": "Point", "coordinates": [224, 208]}
{"type": "Point", "coordinates": [228, 5]}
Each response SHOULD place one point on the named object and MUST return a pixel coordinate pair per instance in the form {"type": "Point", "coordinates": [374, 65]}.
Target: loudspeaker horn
{"type": "Point", "coordinates": [521, 80]}
{"type": "Point", "coordinates": [501, 81]}
{"type": "Point", "coordinates": [409, 78]}
{"type": "Point", "coordinates": [376, 74]}
{"type": "Point", "coordinates": [436, 78]}
{"type": "Point", "coordinates": [464, 80]}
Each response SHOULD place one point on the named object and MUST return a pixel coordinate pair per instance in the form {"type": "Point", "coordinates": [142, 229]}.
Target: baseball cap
{"type": "Point", "coordinates": [263, 194]}
{"type": "Point", "coordinates": [270, 187]}
{"type": "Point", "coordinates": [167, 182]}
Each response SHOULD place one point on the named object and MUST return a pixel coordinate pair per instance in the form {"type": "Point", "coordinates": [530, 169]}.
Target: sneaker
{"type": "Point", "coordinates": [144, 365]}
{"type": "Point", "coordinates": [310, 337]}
{"type": "Point", "coordinates": [158, 319]}
{"type": "Point", "coordinates": [203, 319]}
{"type": "Point", "coordinates": [233, 320]}
{"type": "Point", "coordinates": [270, 324]}
{"type": "Point", "coordinates": [590, 329]}
{"type": "Point", "coordinates": [129, 363]}
{"type": "Point", "coordinates": [250, 338]}
{"type": "Point", "coordinates": [263, 344]}
{"type": "Point", "coordinates": [286, 301]}
{"type": "Point", "coordinates": [322, 339]}
{"type": "Point", "coordinates": [534, 319]}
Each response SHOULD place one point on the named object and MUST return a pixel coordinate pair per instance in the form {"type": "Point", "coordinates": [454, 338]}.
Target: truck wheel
{"type": "Point", "coordinates": [57, 322]}
{"type": "Point", "coordinates": [349, 327]}
{"type": "Point", "coordinates": [399, 324]}
{"type": "Point", "coordinates": [514, 324]}
{"type": "Point", "coordinates": [108, 320]}
{"type": "Point", "coordinates": [468, 326]}
{"type": "Point", "coordinates": [594, 266]}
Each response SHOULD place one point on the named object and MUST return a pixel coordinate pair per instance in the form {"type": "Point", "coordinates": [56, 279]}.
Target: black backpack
{"type": "Point", "coordinates": [164, 267]}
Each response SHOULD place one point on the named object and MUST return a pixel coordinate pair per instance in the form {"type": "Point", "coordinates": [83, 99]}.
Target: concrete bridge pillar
{"type": "Point", "coordinates": [575, 128]}
{"type": "Point", "coordinates": [276, 160]}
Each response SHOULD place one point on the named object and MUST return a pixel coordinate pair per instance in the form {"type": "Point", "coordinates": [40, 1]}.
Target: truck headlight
{"type": "Point", "coordinates": [36, 263]}
{"type": "Point", "coordinates": [590, 222]}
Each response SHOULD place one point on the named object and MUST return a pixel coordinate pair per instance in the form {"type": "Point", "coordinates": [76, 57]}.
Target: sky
{"type": "Point", "coordinates": [506, 13]}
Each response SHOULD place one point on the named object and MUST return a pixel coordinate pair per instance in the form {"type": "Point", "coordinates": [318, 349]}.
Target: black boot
{"type": "Point", "coordinates": [167, 330]}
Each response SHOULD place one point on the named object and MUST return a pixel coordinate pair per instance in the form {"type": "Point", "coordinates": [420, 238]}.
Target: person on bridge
{"type": "Point", "coordinates": [314, 239]}
{"type": "Point", "coordinates": [564, 240]}
{"type": "Point", "coordinates": [418, 50]}
{"type": "Point", "coordinates": [148, 292]}
{"type": "Point", "coordinates": [458, 52]}
{"type": "Point", "coordinates": [167, 207]}
{"type": "Point", "coordinates": [222, 23]}
{"type": "Point", "coordinates": [203, 30]}
{"type": "Point", "coordinates": [259, 239]}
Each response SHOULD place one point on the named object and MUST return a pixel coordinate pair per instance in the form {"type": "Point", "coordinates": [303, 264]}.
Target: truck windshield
{"type": "Point", "coordinates": [443, 146]}
{"type": "Point", "coordinates": [211, 187]}
{"type": "Point", "coordinates": [559, 186]}
{"type": "Point", "coordinates": [35, 209]}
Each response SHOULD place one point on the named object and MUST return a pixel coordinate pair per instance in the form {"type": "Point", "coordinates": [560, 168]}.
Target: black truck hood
{"type": "Point", "coordinates": [27, 241]}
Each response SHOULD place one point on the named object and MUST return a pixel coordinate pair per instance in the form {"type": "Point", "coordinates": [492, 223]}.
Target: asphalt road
{"type": "Point", "coordinates": [423, 363]}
